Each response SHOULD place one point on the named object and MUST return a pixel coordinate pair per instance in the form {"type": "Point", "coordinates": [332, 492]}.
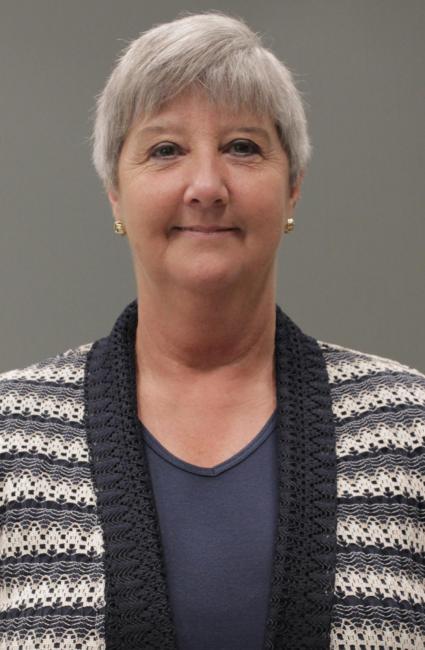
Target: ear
{"type": "Point", "coordinates": [296, 192]}
{"type": "Point", "coordinates": [113, 197]}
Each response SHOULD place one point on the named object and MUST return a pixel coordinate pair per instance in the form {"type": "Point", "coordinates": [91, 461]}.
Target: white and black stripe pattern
{"type": "Point", "coordinates": [51, 545]}
{"type": "Point", "coordinates": [52, 581]}
{"type": "Point", "coordinates": [379, 409]}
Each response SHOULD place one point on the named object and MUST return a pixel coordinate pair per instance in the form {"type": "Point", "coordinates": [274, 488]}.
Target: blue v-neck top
{"type": "Point", "coordinates": [218, 527]}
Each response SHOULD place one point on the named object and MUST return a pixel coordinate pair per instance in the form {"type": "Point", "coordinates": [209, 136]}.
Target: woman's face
{"type": "Point", "coordinates": [204, 195]}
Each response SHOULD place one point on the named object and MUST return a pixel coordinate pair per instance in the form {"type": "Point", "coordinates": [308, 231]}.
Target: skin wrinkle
{"type": "Point", "coordinates": [144, 143]}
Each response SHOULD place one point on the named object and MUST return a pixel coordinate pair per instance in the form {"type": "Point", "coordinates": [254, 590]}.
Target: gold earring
{"type": "Point", "coordinates": [290, 225]}
{"type": "Point", "coordinates": [119, 228]}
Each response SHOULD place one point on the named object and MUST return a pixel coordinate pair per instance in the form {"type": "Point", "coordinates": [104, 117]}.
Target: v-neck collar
{"type": "Point", "coordinates": [225, 466]}
{"type": "Point", "coordinates": [138, 613]}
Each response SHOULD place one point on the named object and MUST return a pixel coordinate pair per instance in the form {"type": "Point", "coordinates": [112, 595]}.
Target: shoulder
{"type": "Point", "coordinates": [66, 367]}
{"type": "Point", "coordinates": [47, 495]}
{"type": "Point", "coordinates": [376, 402]}
{"type": "Point", "coordinates": [379, 411]}
{"type": "Point", "coordinates": [48, 388]}
{"type": "Point", "coordinates": [379, 415]}
{"type": "Point", "coordinates": [42, 433]}
{"type": "Point", "coordinates": [344, 363]}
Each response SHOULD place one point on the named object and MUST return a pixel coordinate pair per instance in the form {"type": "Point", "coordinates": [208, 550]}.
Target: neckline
{"type": "Point", "coordinates": [138, 612]}
{"type": "Point", "coordinates": [220, 468]}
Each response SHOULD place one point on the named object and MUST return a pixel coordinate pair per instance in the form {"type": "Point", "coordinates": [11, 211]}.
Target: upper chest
{"type": "Point", "coordinates": [205, 435]}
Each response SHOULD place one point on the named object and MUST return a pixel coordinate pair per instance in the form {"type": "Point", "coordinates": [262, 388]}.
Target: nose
{"type": "Point", "coordinates": [206, 183]}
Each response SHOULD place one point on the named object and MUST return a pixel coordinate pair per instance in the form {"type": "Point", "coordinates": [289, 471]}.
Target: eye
{"type": "Point", "coordinates": [165, 150]}
{"type": "Point", "coordinates": [243, 147]}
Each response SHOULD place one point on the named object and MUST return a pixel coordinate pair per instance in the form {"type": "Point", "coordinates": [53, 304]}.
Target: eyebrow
{"type": "Point", "coordinates": [175, 128]}
{"type": "Point", "coordinates": [255, 130]}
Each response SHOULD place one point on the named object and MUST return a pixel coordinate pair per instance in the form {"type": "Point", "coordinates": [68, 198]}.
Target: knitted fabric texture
{"type": "Point", "coordinates": [81, 558]}
{"type": "Point", "coordinates": [51, 543]}
{"type": "Point", "coordinates": [302, 582]}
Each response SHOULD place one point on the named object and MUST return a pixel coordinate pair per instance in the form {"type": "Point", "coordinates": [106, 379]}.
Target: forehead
{"type": "Point", "coordinates": [195, 104]}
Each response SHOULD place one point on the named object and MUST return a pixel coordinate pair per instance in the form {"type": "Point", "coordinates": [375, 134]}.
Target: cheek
{"type": "Point", "coordinates": [268, 210]}
{"type": "Point", "coordinates": [148, 210]}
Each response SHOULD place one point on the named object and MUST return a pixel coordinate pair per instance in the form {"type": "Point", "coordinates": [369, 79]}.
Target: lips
{"type": "Point", "coordinates": [205, 229]}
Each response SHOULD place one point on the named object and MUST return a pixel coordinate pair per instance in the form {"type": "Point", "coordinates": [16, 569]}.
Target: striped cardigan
{"type": "Point", "coordinates": [81, 557]}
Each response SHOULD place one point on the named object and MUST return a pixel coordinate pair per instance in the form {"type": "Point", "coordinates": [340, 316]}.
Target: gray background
{"type": "Point", "coordinates": [351, 273]}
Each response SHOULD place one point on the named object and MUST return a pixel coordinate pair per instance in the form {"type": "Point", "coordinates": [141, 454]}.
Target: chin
{"type": "Point", "coordinates": [209, 280]}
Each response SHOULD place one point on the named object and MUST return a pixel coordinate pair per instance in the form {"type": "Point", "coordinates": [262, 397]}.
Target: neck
{"type": "Point", "coordinates": [186, 335]}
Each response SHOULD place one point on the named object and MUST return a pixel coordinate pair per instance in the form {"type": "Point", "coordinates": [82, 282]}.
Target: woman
{"type": "Point", "coordinates": [209, 476]}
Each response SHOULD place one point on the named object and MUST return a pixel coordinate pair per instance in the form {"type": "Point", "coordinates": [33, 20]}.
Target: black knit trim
{"type": "Point", "coordinates": [305, 555]}
{"type": "Point", "coordinates": [138, 613]}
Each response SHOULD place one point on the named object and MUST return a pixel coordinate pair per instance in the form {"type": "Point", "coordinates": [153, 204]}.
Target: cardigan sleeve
{"type": "Point", "coordinates": [51, 545]}
{"type": "Point", "coordinates": [379, 410]}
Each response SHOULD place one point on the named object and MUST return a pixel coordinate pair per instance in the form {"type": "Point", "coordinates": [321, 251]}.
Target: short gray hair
{"type": "Point", "coordinates": [214, 50]}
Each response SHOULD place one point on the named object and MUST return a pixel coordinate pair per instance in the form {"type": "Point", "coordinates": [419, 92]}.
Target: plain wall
{"type": "Point", "coordinates": [352, 271]}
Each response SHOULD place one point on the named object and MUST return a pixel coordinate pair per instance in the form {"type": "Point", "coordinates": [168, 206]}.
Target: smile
{"type": "Point", "coordinates": [193, 232]}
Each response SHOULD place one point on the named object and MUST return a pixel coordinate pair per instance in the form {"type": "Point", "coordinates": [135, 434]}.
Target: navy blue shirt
{"type": "Point", "coordinates": [218, 529]}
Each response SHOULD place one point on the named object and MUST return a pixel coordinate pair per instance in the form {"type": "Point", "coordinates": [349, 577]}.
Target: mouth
{"type": "Point", "coordinates": [204, 230]}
